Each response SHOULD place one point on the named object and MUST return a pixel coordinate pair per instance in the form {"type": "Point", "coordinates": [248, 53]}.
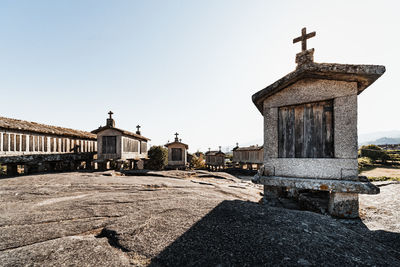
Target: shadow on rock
{"type": "Point", "coordinates": [239, 233]}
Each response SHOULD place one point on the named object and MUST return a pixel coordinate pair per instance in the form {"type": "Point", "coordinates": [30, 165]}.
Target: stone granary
{"type": "Point", "coordinates": [177, 154]}
{"type": "Point", "coordinates": [248, 156]}
{"type": "Point", "coordinates": [38, 147]}
{"type": "Point", "coordinates": [120, 146]}
{"type": "Point", "coordinates": [215, 160]}
{"type": "Point", "coordinates": [310, 131]}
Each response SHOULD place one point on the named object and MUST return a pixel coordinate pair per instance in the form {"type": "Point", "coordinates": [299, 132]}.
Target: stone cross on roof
{"type": "Point", "coordinates": [303, 38]}
{"type": "Point", "coordinates": [110, 113]}
{"type": "Point", "coordinates": [138, 127]}
{"type": "Point", "coordinates": [110, 121]}
{"type": "Point", "coordinates": [176, 137]}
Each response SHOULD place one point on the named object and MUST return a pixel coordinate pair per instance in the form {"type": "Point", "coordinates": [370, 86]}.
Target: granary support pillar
{"type": "Point", "coordinates": [41, 167]}
{"type": "Point", "coordinates": [12, 169]}
{"type": "Point", "coordinates": [343, 205]}
{"type": "Point", "coordinates": [119, 165]}
{"type": "Point", "coordinates": [273, 193]}
{"type": "Point", "coordinates": [102, 165]}
{"type": "Point", "coordinates": [89, 165]}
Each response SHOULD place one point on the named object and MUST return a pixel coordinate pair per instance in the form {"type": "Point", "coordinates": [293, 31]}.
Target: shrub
{"type": "Point", "coordinates": [197, 162]}
{"type": "Point", "coordinates": [158, 158]}
{"type": "Point", "coordinates": [374, 153]}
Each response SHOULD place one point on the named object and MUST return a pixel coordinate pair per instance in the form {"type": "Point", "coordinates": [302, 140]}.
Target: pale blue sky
{"type": "Point", "coordinates": [186, 66]}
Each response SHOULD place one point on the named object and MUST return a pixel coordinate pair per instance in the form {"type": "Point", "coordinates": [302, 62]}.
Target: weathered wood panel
{"type": "Point", "coordinates": [12, 142]}
{"type": "Point", "coordinates": [109, 144]}
{"type": "Point", "coordinates": [36, 143]}
{"type": "Point", "coordinates": [52, 144]}
{"type": "Point", "coordinates": [45, 141]}
{"type": "Point", "coordinates": [24, 142]}
{"type": "Point", "coordinates": [18, 142]}
{"type": "Point", "coordinates": [5, 142]}
{"type": "Point", "coordinates": [41, 143]}
{"type": "Point", "coordinates": [30, 143]}
{"type": "Point", "coordinates": [176, 154]}
{"type": "Point", "coordinates": [306, 131]}
{"type": "Point", "coordinates": [287, 132]}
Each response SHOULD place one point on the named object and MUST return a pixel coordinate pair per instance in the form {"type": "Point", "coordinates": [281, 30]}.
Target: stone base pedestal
{"type": "Point", "coordinates": [343, 205]}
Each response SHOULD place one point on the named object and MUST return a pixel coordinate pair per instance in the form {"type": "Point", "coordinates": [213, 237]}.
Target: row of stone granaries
{"type": "Point", "coordinates": [250, 158]}
{"type": "Point", "coordinates": [29, 147]}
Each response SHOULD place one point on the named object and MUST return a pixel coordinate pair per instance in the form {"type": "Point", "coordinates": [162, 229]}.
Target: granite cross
{"type": "Point", "coordinates": [176, 135]}
{"type": "Point", "coordinates": [303, 38]}
{"type": "Point", "coordinates": [138, 127]}
{"type": "Point", "coordinates": [110, 113]}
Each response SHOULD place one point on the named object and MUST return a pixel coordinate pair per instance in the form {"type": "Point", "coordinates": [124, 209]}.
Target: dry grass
{"type": "Point", "coordinates": [382, 174]}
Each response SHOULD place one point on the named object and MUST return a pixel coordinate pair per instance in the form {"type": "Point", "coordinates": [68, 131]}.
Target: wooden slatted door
{"type": "Point", "coordinates": [306, 131]}
{"type": "Point", "coordinates": [176, 154]}
{"type": "Point", "coordinates": [109, 145]}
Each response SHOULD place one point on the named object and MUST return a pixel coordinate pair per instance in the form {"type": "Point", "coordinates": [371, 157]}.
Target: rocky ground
{"type": "Point", "coordinates": [179, 219]}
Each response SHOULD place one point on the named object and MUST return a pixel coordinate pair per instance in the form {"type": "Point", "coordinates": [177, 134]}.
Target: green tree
{"type": "Point", "coordinates": [158, 158]}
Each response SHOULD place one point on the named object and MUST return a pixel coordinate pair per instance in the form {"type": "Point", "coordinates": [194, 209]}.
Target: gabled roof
{"type": "Point", "coordinates": [28, 126]}
{"type": "Point", "coordinates": [214, 153]}
{"type": "Point", "coordinates": [177, 143]}
{"type": "Point", "coordinates": [248, 148]}
{"type": "Point", "coordinates": [364, 75]}
{"type": "Point", "coordinates": [124, 132]}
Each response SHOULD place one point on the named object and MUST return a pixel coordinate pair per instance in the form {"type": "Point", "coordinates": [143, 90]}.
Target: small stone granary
{"type": "Point", "coordinates": [310, 131]}
{"type": "Point", "coordinates": [215, 160]}
{"type": "Point", "coordinates": [177, 154]}
{"type": "Point", "coordinates": [248, 156]}
{"type": "Point", "coordinates": [120, 146]}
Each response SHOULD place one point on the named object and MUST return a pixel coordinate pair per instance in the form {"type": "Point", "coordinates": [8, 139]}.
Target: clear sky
{"type": "Point", "coordinates": [185, 66]}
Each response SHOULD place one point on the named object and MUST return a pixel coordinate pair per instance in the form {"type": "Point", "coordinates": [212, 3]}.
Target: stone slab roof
{"type": "Point", "coordinates": [177, 143]}
{"type": "Point", "coordinates": [364, 75]}
{"type": "Point", "coordinates": [27, 126]}
{"type": "Point", "coordinates": [214, 153]}
{"type": "Point", "coordinates": [124, 132]}
{"type": "Point", "coordinates": [248, 148]}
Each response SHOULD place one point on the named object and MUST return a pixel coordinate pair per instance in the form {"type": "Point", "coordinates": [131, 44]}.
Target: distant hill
{"type": "Point", "coordinates": [371, 138]}
{"type": "Point", "coordinates": [383, 141]}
